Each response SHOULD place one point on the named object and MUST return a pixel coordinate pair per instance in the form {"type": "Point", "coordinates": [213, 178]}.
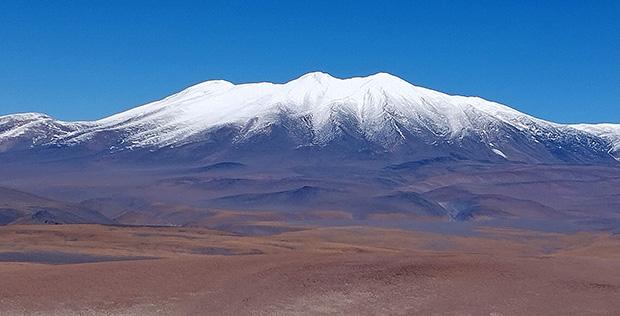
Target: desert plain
{"type": "Point", "coordinates": [306, 270]}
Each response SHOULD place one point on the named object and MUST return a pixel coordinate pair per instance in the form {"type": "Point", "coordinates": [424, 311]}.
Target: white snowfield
{"type": "Point", "coordinates": [609, 132]}
{"type": "Point", "coordinates": [382, 106]}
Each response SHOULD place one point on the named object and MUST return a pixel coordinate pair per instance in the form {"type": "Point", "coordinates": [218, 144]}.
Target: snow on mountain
{"type": "Point", "coordinates": [31, 129]}
{"type": "Point", "coordinates": [609, 132]}
{"type": "Point", "coordinates": [382, 109]}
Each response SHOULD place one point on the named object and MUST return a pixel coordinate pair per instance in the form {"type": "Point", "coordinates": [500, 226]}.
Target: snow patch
{"type": "Point", "coordinates": [499, 152]}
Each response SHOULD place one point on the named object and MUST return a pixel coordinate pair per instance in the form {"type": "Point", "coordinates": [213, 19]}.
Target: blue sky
{"type": "Point", "coordinates": [82, 60]}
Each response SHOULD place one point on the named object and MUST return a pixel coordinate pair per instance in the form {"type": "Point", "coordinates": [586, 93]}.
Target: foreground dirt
{"type": "Point", "coordinates": [324, 271]}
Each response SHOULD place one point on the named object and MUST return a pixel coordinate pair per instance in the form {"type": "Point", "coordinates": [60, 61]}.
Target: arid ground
{"type": "Point", "coordinates": [112, 270]}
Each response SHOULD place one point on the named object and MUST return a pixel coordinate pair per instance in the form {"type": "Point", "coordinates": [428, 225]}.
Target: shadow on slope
{"type": "Point", "coordinates": [17, 207]}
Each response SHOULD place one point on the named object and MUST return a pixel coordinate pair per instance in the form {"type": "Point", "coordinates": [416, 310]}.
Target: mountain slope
{"type": "Point", "coordinates": [608, 132]}
{"type": "Point", "coordinates": [18, 207]}
{"type": "Point", "coordinates": [379, 114]}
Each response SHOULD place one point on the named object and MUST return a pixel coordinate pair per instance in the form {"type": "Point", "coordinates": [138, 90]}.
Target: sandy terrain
{"type": "Point", "coordinates": [322, 271]}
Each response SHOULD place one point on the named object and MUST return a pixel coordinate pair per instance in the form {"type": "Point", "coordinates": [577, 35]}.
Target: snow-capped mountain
{"type": "Point", "coordinates": [380, 113]}
{"type": "Point", "coordinates": [364, 148]}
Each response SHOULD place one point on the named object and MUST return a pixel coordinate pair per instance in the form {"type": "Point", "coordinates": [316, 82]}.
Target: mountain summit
{"type": "Point", "coordinates": [380, 114]}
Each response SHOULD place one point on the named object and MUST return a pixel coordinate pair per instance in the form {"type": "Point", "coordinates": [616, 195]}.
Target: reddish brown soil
{"type": "Point", "coordinates": [328, 271]}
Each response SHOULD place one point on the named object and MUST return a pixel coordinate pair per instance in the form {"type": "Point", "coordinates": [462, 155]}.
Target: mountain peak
{"type": "Point", "coordinates": [26, 116]}
{"type": "Point", "coordinates": [322, 77]}
{"type": "Point", "coordinates": [209, 85]}
{"type": "Point", "coordinates": [384, 76]}
{"type": "Point", "coordinates": [316, 76]}
{"type": "Point", "coordinates": [23, 118]}
{"type": "Point", "coordinates": [388, 81]}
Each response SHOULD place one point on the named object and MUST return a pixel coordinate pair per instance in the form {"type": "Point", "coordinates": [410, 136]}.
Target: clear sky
{"type": "Point", "coordinates": [83, 60]}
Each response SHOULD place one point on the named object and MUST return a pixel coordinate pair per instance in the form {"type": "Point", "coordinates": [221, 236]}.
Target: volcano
{"type": "Point", "coordinates": [370, 148]}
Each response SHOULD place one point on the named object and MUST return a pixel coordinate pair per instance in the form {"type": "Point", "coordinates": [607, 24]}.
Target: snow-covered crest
{"type": "Point", "coordinates": [372, 100]}
{"type": "Point", "coordinates": [610, 132]}
{"type": "Point", "coordinates": [381, 108]}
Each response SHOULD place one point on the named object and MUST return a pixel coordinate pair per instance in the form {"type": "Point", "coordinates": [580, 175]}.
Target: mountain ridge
{"type": "Point", "coordinates": [381, 111]}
